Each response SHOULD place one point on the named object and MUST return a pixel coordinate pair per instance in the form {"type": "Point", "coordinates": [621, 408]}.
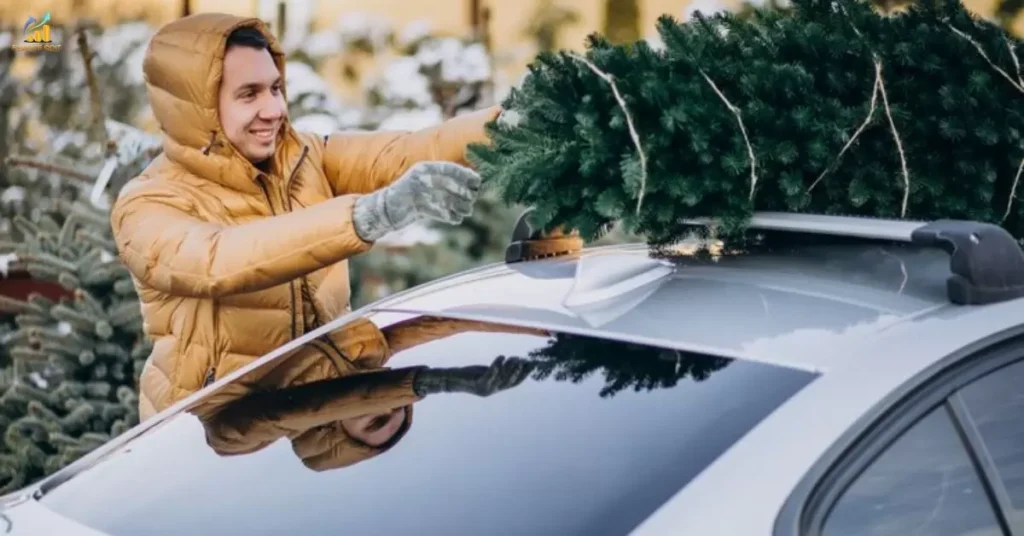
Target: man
{"type": "Point", "coordinates": [237, 235]}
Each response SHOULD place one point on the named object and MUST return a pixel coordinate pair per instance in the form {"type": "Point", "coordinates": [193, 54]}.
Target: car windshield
{"type": "Point", "coordinates": [434, 426]}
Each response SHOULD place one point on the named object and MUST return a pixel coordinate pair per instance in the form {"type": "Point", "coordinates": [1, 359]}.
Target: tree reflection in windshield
{"type": "Point", "coordinates": [624, 365]}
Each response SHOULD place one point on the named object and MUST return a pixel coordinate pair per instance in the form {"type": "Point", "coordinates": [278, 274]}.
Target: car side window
{"type": "Point", "coordinates": [995, 404]}
{"type": "Point", "coordinates": [924, 483]}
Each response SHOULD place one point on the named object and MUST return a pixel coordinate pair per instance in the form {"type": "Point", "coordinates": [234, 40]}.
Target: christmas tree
{"type": "Point", "coordinates": [826, 107]}
{"type": "Point", "coordinates": [70, 359]}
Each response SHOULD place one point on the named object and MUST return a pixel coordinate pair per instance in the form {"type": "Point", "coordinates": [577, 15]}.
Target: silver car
{"type": "Point", "coordinates": [835, 376]}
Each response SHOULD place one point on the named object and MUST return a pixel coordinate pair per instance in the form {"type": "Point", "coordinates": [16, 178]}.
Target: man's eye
{"type": "Point", "coordinates": [276, 90]}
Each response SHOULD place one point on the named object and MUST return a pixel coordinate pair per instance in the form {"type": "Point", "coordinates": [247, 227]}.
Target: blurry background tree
{"type": "Point", "coordinates": [72, 344]}
{"type": "Point", "coordinates": [1008, 12]}
{"type": "Point", "coordinates": [546, 23]}
{"type": "Point", "coordinates": [621, 20]}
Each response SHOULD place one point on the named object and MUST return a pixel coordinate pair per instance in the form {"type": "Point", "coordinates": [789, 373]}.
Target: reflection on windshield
{"type": "Point", "coordinates": [338, 403]}
{"type": "Point", "coordinates": [624, 365]}
{"type": "Point", "coordinates": [434, 426]}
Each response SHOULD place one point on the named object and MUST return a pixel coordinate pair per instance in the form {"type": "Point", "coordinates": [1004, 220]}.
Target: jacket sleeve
{"type": "Point", "coordinates": [260, 419]}
{"type": "Point", "coordinates": [421, 330]}
{"type": "Point", "coordinates": [361, 162]}
{"type": "Point", "coordinates": [169, 249]}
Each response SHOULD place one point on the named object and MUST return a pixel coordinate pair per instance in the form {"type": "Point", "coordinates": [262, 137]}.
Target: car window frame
{"type": "Point", "coordinates": [806, 509]}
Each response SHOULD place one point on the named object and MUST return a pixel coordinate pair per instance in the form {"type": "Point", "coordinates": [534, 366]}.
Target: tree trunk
{"type": "Point", "coordinates": [622, 20]}
{"type": "Point", "coordinates": [282, 22]}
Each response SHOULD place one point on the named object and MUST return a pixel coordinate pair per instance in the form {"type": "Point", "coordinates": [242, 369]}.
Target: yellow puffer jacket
{"type": "Point", "coordinates": [220, 281]}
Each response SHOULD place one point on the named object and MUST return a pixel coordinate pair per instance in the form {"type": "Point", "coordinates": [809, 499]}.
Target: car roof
{"type": "Point", "coordinates": [780, 306]}
{"type": "Point", "coordinates": [790, 306]}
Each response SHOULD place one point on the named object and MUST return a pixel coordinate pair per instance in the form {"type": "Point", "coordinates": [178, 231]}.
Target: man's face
{"type": "Point", "coordinates": [252, 106]}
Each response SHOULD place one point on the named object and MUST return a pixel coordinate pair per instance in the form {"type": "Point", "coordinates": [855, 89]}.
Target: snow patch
{"type": "Point", "coordinates": [706, 7]}
{"type": "Point", "coordinates": [13, 194]}
{"type": "Point", "coordinates": [402, 83]}
{"type": "Point", "coordinates": [368, 29]}
{"type": "Point", "coordinates": [322, 44]}
{"type": "Point", "coordinates": [5, 263]}
{"type": "Point", "coordinates": [310, 95]}
{"type": "Point", "coordinates": [38, 380]}
{"type": "Point", "coordinates": [321, 124]}
{"type": "Point", "coordinates": [110, 47]}
{"type": "Point", "coordinates": [459, 63]}
{"type": "Point", "coordinates": [413, 119]}
{"type": "Point", "coordinates": [414, 32]}
{"type": "Point", "coordinates": [656, 43]}
{"type": "Point", "coordinates": [131, 142]}
{"type": "Point", "coordinates": [301, 79]}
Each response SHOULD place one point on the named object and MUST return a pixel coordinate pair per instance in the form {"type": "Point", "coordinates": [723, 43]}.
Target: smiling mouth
{"type": "Point", "coordinates": [264, 134]}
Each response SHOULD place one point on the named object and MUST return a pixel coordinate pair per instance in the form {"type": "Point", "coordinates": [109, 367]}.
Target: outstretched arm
{"type": "Point", "coordinates": [361, 162]}
{"type": "Point", "coordinates": [262, 418]}
{"type": "Point", "coordinates": [169, 249]}
{"type": "Point", "coordinates": [410, 333]}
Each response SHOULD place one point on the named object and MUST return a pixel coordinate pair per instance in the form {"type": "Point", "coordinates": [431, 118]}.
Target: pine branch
{"type": "Point", "coordinates": [82, 178]}
{"type": "Point", "coordinates": [98, 129]}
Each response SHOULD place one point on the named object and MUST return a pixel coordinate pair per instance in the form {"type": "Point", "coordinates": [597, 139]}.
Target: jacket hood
{"type": "Point", "coordinates": [328, 447]}
{"type": "Point", "coordinates": [182, 69]}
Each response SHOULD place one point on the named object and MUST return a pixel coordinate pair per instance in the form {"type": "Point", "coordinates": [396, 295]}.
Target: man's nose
{"type": "Point", "coordinates": [273, 108]}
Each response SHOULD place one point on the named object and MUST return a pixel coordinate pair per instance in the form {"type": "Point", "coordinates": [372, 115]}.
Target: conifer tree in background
{"type": "Point", "coordinates": [621, 20]}
{"type": "Point", "coordinates": [1008, 12]}
{"type": "Point", "coordinates": [69, 365]}
{"type": "Point", "coordinates": [547, 21]}
{"type": "Point", "coordinates": [827, 107]}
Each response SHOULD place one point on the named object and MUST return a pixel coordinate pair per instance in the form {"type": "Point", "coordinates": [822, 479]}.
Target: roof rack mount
{"type": "Point", "coordinates": [987, 261]}
{"type": "Point", "coordinates": [529, 244]}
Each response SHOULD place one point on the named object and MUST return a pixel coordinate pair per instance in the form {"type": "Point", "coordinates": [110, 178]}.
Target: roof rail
{"type": "Point", "coordinates": [529, 244]}
{"type": "Point", "coordinates": [987, 261]}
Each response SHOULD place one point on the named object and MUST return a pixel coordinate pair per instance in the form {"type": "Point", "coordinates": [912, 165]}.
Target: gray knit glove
{"type": "Point", "coordinates": [442, 191]}
{"type": "Point", "coordinates": [477, 380]}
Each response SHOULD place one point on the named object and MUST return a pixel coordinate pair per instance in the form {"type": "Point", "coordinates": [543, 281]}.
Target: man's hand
{"type": "Point", "coordinates": [442, 191]}
{"type": "Point", "coordinates": [478, 380]}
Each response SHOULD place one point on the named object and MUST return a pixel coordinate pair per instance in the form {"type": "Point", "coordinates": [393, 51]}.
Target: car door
{"type": "Point", "coordinates": [947, 459]}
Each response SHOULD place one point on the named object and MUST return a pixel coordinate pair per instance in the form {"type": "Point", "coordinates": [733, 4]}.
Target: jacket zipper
{"type": "Point", "coordinates": [306, 292]}
{"type": "Point", "coordinates": [291, 284]}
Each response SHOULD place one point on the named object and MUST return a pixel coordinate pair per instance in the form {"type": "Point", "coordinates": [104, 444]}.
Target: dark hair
{"type": "Point", "coordinates": [248, 37]}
